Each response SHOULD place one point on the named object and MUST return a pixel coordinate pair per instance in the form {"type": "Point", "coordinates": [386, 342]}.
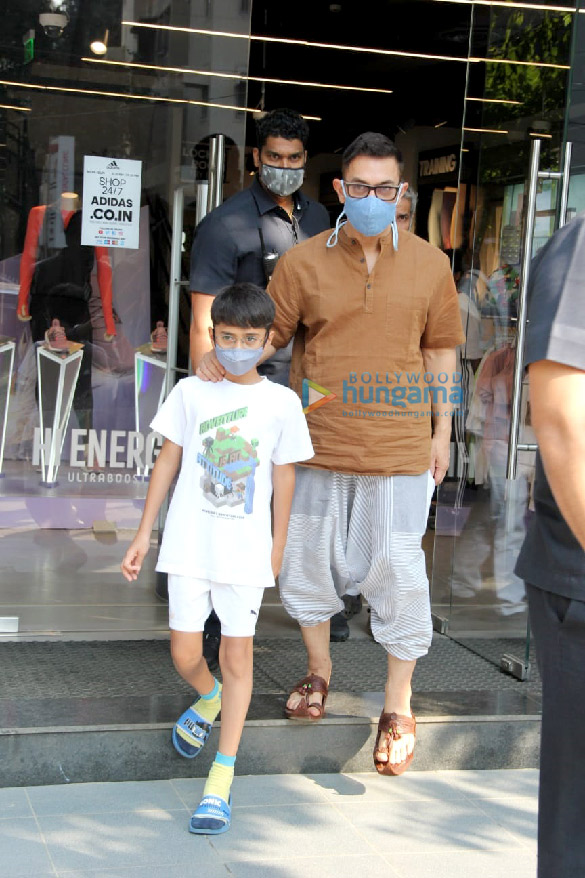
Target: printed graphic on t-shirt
{"type": "Point", "coordinates": [229, 462]}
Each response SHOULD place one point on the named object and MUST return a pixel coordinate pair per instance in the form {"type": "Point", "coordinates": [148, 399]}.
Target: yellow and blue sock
{"type": "Point", "coordinates": [220, 777]}
{"type": "Point", "coordinates": [210, 705]}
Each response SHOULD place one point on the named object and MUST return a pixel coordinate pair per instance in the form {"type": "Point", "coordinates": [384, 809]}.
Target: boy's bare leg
{"type": "Point", "coordinates": [187, 655]}
{"type": "Point", "coordinates": [316, 639]}
{"type": "Point", "coordinates": [397, 700]}
{"type": "Point", "coordinates": [236, 662]}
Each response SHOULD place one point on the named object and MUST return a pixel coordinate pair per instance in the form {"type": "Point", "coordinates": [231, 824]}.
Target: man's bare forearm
{"type": "Point", "coordinates": [557, 398]}
{"type": "Point", "coordinates": [199, 340]}
{"type": "Point", "coordinates": [164, 471]}
{"type": "Point", "coordinates": [440, 363]}
{"type": "Point", "coordinates": [283, 479]}
{"type": "Point", "coordinates": [199, 344]}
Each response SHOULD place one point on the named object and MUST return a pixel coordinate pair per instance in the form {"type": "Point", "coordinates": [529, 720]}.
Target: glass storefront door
{"type": "Point", "coordinates": [96, 145]}
{"type": "Point", "coordinates": [464, 89]}
{"type": "Point", "coordinates": [513, 140]}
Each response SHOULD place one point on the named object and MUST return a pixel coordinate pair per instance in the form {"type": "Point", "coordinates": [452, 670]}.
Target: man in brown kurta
{"type": "Point", "coordinates": [379, 323]}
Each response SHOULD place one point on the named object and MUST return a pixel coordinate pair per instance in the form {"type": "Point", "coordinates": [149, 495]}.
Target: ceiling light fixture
{"type": "Point", "coordinates": [363, 49]}
{"type": "Point", "coordinates": [487, 130]}
{"type": "Point", "coordinates": [125, 96]}
{"type": "Point", "coordinates": [494, 101]}
{"type": "Point", "coordinates": [100, 47]}
{"type": "Point", "coordinates": [289, 42]}
{"type": "Point", "coordinates": [522, 63]}
{"type": "Point", "coordinates": [440, 124]}
{"type": "Point", "coordinates": [12, 107]}
{"type": "Point", "coordinates": [545, 7]}
{"type": "Point", "coordinates": [236, 76]}
{"type": "Point", "coordinates": [540, 134]}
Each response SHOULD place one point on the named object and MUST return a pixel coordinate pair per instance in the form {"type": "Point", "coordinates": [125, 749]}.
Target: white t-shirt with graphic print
{"type": "Point", "coordinates": [219, 526]}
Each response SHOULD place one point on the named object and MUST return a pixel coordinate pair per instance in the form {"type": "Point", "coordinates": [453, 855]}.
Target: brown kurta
{"type": "Point", "coordinates": [360, 337]}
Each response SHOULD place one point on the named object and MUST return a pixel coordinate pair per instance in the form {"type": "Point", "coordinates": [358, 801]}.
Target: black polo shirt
{"type": "Point", "coordinates": [551, 558]}
{"type": "Point", "coordinates": [227, 246]}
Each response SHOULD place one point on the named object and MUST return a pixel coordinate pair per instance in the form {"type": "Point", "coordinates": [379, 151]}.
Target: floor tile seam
{"type": "Point", "coordinates": [182, 862]}
{"type": "Point", "coordinates": [354, 828]}
{"type": "Point", "coordinates": [323, 858]}
{"type": "Point", "coordinates": [42, 834]}
{"type": "Point", "coordinates": [494, 798]}
{"type": "Point", "coordinates": [177, 792]}
{"type": "Point", "coordinates": [127, 813]}
{"type": "Point", "coordinates": [461, 852]}
{"type": "Point", "coordinates": [274, 806]}
{"type": "Point", "coordinates": [139, 870]}
{"type": "Point", "coordinates": [394, 870]}
{"type": "Point", "coordinates": [431, 851]}
{"type": "Point", "coordinates": [513, 835]}
{"type": "Point", "coordinates": [298, 857]}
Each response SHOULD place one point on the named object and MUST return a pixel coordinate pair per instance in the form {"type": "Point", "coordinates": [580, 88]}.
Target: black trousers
{"type": "Point", "coordinates": [558, 624]}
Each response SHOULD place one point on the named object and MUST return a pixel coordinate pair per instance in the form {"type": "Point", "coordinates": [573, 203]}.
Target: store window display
{"type": "Point", "coordinates": [38, 244]}
{"type": "Point", "coordinates": [60, 291]}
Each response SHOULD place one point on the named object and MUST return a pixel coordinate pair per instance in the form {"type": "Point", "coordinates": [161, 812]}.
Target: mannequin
{"type": "Point", "coordinates": [34, 244]}
{"type": "Point", "coordinates": [60, 290]}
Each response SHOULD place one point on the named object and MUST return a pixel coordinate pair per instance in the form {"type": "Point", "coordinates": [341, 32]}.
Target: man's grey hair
{"type": "Point", "coordinates": [412, 197]}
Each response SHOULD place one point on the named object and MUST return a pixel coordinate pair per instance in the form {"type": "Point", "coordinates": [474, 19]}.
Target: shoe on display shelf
{"type": "Point", "coordinates": [55, 337]}
{"type": "Point", "coordinates": [159, 339]}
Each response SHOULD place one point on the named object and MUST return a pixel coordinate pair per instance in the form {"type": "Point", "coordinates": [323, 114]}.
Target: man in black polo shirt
{"type": "Point", "coordinates": [552, 559]}
{"type": "Point", "coordinates": [242, 239]}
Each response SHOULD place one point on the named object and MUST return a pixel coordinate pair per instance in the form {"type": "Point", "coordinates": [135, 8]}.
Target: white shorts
{"type": "Point", "coordinates": [191, 601]}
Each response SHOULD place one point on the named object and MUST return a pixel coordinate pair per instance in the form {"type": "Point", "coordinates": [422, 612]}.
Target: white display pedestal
{"type": "Point", "coordinates": [149, 391]}
{"type": "Point", "coordinates": [6, 368]}
{"type": "Point", "coordinates": [58, 373]}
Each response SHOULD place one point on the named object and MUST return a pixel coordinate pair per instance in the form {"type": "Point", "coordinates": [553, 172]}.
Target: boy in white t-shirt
{"type": "Point", "coordinates": [236, 443]}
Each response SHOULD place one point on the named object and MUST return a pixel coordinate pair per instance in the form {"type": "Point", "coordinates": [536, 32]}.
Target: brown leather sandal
{"type": "Point", "coordinates": [391, 727]}
{"type": "Point", "coordinates": [306, 687]}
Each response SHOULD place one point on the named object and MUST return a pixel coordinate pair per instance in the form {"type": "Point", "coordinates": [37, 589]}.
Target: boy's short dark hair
{"type": "Point", "coordinates": [372, 144]}
{"type": "Point", "coordinates": [243, 305]}
{"type": "Point", "coordinates": [282, 123]}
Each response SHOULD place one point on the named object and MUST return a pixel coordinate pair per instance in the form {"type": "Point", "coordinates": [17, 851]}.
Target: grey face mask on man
{"type": "Point", "coordinates": [281, 181]}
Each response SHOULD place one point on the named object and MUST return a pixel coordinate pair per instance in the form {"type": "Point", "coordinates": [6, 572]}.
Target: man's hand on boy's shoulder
{"type": "Point", "coordinates": [209, 368]}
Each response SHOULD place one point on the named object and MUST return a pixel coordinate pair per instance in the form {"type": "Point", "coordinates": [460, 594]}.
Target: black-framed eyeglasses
{"type": "Point", "coordinates": [362, 190]}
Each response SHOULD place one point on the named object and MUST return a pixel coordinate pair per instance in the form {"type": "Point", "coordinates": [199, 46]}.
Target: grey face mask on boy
{"type": "Point", "coordinates": [238, 361]}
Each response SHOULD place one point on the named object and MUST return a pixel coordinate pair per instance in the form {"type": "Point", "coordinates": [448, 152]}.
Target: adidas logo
{"type": "Point", "coordinates": [113, 166]}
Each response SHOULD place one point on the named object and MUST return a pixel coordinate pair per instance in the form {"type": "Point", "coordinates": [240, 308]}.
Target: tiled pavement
{"type": "Point", "coordinates": [469, 824]}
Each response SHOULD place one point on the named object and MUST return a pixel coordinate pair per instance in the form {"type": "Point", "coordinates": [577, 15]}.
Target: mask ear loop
{"type": "Point", "coordinates": [393, 224]}
{"type": "Point", "coordinates": [335, 233]}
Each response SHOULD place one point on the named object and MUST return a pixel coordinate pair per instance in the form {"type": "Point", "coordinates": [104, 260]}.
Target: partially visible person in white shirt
{"type": "Point", "coordinates": [236, 442]}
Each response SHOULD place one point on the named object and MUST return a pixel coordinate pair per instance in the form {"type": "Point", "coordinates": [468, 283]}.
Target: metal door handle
{"type": "Point", "coordinates": [525, 266]}
{"type": "Point", "coordinates": [534, 176]}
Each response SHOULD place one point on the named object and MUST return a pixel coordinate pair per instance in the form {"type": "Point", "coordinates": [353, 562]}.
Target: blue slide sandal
{"type": "Point", "coordinates": [190, 733]}
{"type": "Point", "coordinates": [212, 817]}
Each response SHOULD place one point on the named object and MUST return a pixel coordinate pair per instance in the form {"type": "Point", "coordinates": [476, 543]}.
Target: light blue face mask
{"type": "Point", "coordinates": [238, 361]}
{"type": "Point", "coordinates": [369, 216]}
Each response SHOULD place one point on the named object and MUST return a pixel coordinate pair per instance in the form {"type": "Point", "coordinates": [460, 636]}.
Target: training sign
{"type": "Point", "coordinates": [111, 202]}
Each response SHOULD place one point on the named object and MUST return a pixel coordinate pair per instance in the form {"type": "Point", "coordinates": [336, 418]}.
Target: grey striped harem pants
{"type": "Point", "coordinates": [364, 531]}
